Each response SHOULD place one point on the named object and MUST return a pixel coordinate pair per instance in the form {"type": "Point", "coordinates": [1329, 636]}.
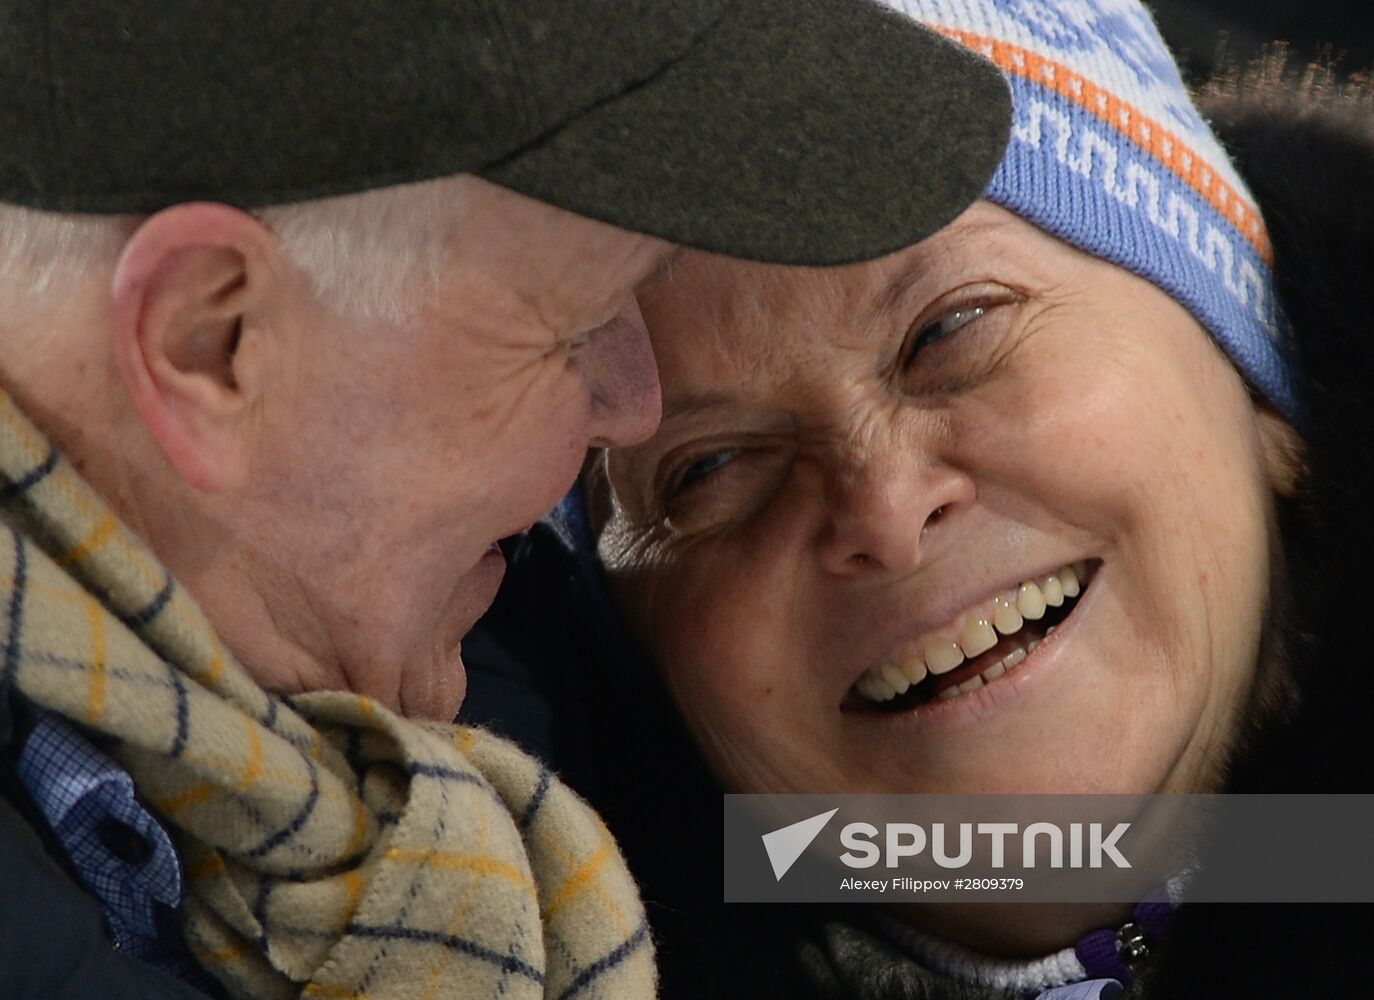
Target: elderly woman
{"type": "Point", "coordinates": [1020, 508]}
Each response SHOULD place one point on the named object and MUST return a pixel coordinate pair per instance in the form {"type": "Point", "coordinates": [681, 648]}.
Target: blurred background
{"type": "Point", "coordinates": [1337, 31]}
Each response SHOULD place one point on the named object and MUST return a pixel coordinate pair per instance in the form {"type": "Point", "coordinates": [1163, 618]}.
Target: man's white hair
{"type": "Point", "coordinates": [371, 255]}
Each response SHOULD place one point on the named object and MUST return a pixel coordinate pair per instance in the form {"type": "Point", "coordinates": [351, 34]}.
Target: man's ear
{"type": "Point", "coordinates": [187, 305]}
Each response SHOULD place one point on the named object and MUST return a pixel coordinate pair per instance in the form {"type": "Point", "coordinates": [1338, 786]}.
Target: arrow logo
{"type": "Point", "coordinates": [785, 845]}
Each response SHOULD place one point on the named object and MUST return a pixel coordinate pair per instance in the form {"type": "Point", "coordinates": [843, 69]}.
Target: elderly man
{"type": "Point", "coordinates": [302, 310]}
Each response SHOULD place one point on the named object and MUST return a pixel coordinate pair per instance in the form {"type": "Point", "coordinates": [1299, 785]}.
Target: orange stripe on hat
{"type": "Point", "coordinates": [1146, 132]}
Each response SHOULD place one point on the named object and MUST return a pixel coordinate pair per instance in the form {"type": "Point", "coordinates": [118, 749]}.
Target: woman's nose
{"type": "Point", "coordinates": [623, 379]}
{"type": "Point", "coordinates": [882, 514]}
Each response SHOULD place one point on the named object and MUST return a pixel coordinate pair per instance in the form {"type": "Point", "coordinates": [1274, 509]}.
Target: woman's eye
{"type": "Point", "coordinates": [944, 326]}
{"type": "Point", "coordinates": [702, 467]}
{"type": "Point", "coordinates": [710, 490]}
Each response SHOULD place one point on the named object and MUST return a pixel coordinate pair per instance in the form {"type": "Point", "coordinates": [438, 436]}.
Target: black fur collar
{"type": "Point", "coordinates": [1309, 159]}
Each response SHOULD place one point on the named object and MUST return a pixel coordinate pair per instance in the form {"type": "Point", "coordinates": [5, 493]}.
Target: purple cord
{"type": "Point", "coordinates": [1097, 951]}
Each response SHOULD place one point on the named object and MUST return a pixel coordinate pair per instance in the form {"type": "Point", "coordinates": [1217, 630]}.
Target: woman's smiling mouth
{"type": "Point", "coordinates": [985, 643]}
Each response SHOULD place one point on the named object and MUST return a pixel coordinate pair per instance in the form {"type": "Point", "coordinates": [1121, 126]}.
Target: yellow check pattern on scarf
{"type": "Point", "coordinates": [331, 848]}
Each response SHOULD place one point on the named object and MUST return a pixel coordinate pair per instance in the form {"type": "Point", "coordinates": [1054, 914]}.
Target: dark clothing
{"type": "Point", "coordinates": [505, 695]}
{"type": "Point", "coordinates": [53, 940]}
{"type": "Point", "coordinates": [619, 741]}
{"type": "Point", "coordinates": [119, 849]}
{"type": "Point", "coordinates": [1312, 170]}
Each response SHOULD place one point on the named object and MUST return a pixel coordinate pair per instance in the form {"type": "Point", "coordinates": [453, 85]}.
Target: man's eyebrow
{"type": "Point", "coordinates": [662, 268]}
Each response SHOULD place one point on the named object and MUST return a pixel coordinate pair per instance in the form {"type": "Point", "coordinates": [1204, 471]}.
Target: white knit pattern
{"type": "Point", "coordinates": [969, 966]}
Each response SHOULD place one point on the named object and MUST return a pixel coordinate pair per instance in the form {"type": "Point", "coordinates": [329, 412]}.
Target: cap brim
{"type": "Point", "coordinates": [795, 131]}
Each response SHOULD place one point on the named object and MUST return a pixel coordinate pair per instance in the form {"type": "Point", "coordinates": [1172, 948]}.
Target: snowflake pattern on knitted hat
{"type": "Point", "coordinates": [1109, 154]}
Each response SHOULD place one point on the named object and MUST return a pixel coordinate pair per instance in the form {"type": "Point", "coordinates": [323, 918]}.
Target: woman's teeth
{"type": "Point", "coordinates": [993, 672]}
{"type": "Point", "coordinates": [979, 630]}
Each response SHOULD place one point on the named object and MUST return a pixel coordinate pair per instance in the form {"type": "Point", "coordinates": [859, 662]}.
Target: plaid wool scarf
{"type": "Point", "coordinates": [331, 848]}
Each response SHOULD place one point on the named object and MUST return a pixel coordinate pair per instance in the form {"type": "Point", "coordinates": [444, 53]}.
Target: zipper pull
{"type": "Point", "coordinates": [1130, 942]}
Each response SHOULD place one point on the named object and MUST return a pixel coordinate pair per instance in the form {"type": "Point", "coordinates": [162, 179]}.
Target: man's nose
{"type": "Point", "coordinates": [623, 379]}
{"type": "Point", "coordinates": [883, 512]}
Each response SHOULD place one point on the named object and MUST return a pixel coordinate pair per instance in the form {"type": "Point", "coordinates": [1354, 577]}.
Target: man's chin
{"type": "Point", "coordinates": [435, 689]}
{"type": "Point", "coordinates": [437, 693]}
{"type": "Point", "coordinates": [476, 589]}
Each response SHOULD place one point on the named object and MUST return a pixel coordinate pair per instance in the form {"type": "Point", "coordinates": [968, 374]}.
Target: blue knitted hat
{"type": "Point", "coordinates": [1109, 154]}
